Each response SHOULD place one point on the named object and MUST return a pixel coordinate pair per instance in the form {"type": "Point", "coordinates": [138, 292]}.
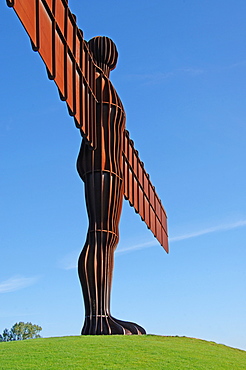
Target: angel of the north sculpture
{"type": "Point", "coordinates": [108, 163]}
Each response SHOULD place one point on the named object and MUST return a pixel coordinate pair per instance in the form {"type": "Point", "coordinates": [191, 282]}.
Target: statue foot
{"type": "Point", "coordinates": [108, 325]}
{"type": "Point", "coordinates": [131, 326]}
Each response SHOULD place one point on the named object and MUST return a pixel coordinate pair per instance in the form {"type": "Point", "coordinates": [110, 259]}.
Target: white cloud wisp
{"type": "Point", "coordinates": [209, 230]}
{"type": "Point", "coordinates": [16, 283]}
{"type": "Point", "coordinates": [195, 234]}
{"type": "Point", "coordinates": [70, 260]}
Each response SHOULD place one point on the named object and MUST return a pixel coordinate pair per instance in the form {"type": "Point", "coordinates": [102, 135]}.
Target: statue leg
{"type": "Point", "coordinates": [104, 197]}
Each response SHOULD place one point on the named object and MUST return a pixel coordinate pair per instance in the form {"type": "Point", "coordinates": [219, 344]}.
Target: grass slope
{"type": "Point", "coordinates": [119, 352]}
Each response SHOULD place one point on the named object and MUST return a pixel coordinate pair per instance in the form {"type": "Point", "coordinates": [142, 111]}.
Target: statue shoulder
{"type": "Point", "coordinates": [106, 91]}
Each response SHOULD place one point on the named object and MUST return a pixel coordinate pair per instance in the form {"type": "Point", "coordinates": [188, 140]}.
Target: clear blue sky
{"type": "Point", "coordinates": [181, 77]}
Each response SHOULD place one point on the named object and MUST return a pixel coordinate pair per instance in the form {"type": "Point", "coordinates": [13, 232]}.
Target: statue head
{"type": "Point", "coordinates": [104, 52]}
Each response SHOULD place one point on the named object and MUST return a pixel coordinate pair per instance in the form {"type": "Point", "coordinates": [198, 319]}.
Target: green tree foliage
{"type": "Point", "coordinates": [21, 331]}
{"type": "Point", "coordinates": [7, 336]}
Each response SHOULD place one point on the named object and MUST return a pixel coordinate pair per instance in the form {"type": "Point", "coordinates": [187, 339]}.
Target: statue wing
{"type": "Point", "coordinates": [54, 34]}
{"type": "Point", "coordinates": [141, 194]}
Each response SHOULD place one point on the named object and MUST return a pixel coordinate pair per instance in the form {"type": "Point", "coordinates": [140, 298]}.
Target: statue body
{"type": "Point", "coordinates": [108, 162]}
{"type": "Point", "coordinates": [101, 170]}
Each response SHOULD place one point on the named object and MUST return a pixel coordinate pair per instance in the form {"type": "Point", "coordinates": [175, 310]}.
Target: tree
{"type": "Point", "coordinates": [26, 330]}
{"type": "Point", "coordinates": [21, 331]}
{"type": "Point", "coordinates": [7, 335]}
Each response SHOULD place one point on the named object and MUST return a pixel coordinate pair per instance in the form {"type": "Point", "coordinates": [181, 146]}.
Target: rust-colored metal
{"type": "Point", "coordinates": [141, 194]}
{"type": "Point", "coordinates": [108, 163]}
{"type": "Point", "coordinates": [54, 34]}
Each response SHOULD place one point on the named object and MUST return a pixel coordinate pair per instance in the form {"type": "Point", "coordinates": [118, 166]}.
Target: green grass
{"type": "Point", "coordinates": [119, 352]}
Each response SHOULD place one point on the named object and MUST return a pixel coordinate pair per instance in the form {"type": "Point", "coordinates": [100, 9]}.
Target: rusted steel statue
{"type": "Point", "coordinates": [108, 163]}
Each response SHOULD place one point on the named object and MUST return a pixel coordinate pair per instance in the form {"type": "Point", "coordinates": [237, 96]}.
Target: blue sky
{"type": "Point", "coordinates": [181, 77]}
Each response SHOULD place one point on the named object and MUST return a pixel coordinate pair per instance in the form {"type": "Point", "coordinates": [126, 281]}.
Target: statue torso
{"type": "Point", "coordinates": [110, 125]}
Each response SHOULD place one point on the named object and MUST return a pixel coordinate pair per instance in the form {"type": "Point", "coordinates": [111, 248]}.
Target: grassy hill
{"type": "Point", "coordinates": [119, 352]}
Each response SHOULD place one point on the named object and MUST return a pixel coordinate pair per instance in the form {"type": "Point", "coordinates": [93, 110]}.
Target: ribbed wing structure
{"type": "Point", "coordinates": [54, 34]}
{"type": "Point", "coordinates": [141, 193]}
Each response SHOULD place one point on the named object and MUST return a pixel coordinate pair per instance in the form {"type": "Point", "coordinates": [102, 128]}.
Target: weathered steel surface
{"type": "Point", "coordinates": [108, 163]}
{"type": "Point", "coordinates": [101, 171]}
{"type": "Point", "coordinates": [54, 34]}
{"type": "Point", "coordinates": [141, 194]}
